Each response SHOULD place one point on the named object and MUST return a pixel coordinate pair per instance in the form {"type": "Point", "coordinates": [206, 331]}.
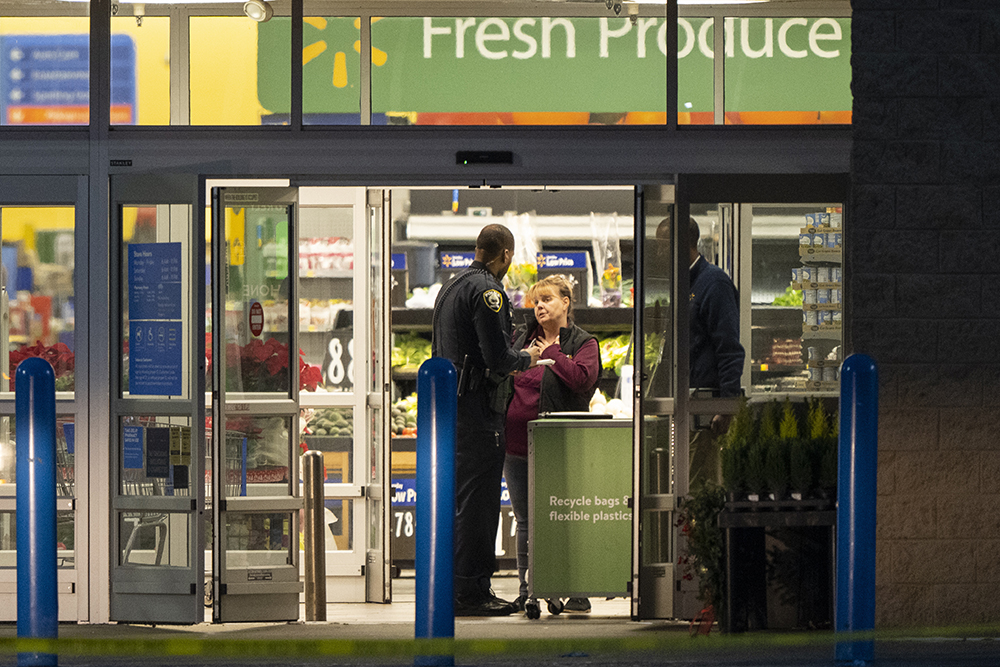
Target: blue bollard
{"type": "Point", "coordinates": [37, 600]}
{"type": "Point", "coordinates": [437, 409]}
{"type": "Point", "coordinates": [856, 491]}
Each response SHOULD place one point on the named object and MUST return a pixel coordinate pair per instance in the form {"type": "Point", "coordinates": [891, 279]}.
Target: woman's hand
{"type": "Point", "coordinates": [542, 343]}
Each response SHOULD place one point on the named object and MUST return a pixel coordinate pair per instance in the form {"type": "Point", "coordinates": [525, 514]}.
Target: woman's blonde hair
{"type": "Point", "coordinates": [556, 283]}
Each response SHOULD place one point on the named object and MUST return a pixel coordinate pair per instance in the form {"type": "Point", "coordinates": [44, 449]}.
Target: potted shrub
{"type": "Point", "coordinates": [826, 456]}
{"type": "Point", "coordinates": [757, 452]}
{"type": "Point", "coordinates": [734, 452]}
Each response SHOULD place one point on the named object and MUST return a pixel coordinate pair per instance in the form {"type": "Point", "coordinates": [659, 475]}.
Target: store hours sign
{"type": "Point", "coordinates": [154, 319]}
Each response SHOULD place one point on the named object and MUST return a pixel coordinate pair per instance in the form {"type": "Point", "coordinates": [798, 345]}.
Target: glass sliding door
{"type": "Point", "coordinates": [255, 376]}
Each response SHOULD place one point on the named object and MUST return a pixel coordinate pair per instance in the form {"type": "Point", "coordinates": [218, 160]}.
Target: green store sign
{"type": "Point", "coordinates": [599, 65]}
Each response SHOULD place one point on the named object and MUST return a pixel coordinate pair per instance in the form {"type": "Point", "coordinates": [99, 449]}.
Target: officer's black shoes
{"type": "Point", "coordinates": [577, 606]}
{"type": "Point", "coordinates": [484, 605]}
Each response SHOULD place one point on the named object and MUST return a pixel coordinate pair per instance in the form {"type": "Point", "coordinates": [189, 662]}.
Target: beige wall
{"type": "Point", "coordinates": [922, 255]}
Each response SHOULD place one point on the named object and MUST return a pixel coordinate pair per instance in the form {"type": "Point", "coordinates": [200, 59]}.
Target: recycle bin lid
{"type": "Point", "coordinates": [573, 415]}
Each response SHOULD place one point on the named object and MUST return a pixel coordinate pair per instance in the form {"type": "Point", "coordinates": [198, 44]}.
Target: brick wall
{"type": "Point", "coordinates": [924, 289]}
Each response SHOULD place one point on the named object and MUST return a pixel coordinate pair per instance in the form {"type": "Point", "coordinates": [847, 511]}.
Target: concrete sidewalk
{"type": "Point", "coordinates": [377, 635]}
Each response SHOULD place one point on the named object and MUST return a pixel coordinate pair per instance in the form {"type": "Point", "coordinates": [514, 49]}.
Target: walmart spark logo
{"type": "Point", "coordinates": [313, 50]}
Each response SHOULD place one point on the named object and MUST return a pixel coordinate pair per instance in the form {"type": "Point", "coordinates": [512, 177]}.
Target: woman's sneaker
{"type": "Point", "coordinates": [577, 606]}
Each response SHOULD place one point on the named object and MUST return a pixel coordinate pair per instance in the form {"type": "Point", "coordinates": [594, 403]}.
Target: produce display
{"type": "Point", "coordinates": [791, 297]}
{"type": "Point", "coordinates": [613, 407]}
{"type": "Point", "coordinates": [410, 350]}
{"type": "Point", "coordinates": [404, 417]}
{"type": "Point", "coordinates": [332, 421]}
{"type": "Point", "coordinates": [614, 352]}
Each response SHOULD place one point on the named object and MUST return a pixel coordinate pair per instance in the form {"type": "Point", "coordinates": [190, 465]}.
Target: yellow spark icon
{"type": "Point", "coordinates": [313, 50]}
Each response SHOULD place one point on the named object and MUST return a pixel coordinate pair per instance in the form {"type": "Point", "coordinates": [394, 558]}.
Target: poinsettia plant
{"type": "Point", "coordinates": [262, 366]}
{"type": "Point", "coordinates": [59, 355]}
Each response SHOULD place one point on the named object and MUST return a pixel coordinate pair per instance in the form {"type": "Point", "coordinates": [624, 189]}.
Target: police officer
{"type": "Point", "coordinates": [473, 327]}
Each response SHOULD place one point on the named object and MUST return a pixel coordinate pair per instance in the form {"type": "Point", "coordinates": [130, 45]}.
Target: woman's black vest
{"type": "Point", "coordinates": [554, 396]}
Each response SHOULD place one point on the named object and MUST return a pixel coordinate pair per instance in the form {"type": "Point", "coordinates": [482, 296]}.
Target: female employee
{"type": "Point", "coordinates": [565, 385]}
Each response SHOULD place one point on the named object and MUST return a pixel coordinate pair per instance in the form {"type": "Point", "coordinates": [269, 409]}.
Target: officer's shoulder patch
{"type": "Point", "coordinates": [493, 300]}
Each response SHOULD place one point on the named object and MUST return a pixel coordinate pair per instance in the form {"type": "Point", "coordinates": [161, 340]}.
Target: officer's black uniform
{"type": "Point", "coordinates": [473, 328]}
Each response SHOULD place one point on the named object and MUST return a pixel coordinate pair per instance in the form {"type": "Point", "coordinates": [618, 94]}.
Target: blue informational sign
{"type": "Point", "coordinates": [457, 260]}
{"type": "Point", "coordinates": [154, 303]}
{"type": "Point", "coordinates": [398, 261]}
{"type": "Point", "coordinates": [132, 448]}
{"type": "Point", "coordinates": [154, 281]}
{"type": "Point", "coordinates": [562, 260]}
{"type": "Point", "coordinates": [69, 432]}
{"type": "Point", "coordinates": [45, 79]}
{"type": "Point", "coordinates": [155, 357]}
{"type": "Point", "coordinates": [404, 492]}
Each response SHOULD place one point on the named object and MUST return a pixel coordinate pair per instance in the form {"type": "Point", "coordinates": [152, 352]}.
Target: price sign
{"type": "Point", "coordinates": [338, 367]}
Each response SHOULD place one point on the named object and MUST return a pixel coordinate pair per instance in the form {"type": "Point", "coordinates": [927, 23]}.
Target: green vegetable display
{"type": "Point", "coordinates": [404, 415]}
{"type": "Point", "coordinates": [337, 422]}
{"type": "Point", "coordinates": [410, 351]}
{"type": "Point", "coordinates": [791, 297]}
{"type": "Point", "coordinates": [614, 352]}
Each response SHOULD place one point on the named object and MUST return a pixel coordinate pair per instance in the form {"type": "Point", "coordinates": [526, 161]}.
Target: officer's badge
{"type": "Point", "coordinates": [493, 300]}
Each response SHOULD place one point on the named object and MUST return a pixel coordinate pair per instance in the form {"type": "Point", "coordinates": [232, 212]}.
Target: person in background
{"type": "Point", "coordinates": [472, 326]}
{"type": "Point", "coordinates": [565, 385]}
{"type": "Point", "coordinates": [716, 353]}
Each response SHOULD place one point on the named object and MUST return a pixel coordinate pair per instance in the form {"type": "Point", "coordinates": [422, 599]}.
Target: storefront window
{"type": "Point", "coordinates": [787, 71]}
{"type": "Point", "coordinates": [38, 257]}
{"type": "Point", "coordinates": [45, 66]}
{"type": "Point", "coordinates": [695, 71]}
{"type": "Point", "coordinates": [155, 298]}
{"type": "Point", "coordinates": [239, 71]}
{"type": "Point", "coordinates": [331, 71]}
{"type": "Point", "coordinates": [519, 71]}
{"type": "Point", "coordinates": [156, 460]}
{"type": "Point", "coordinates": [140, 67]}
{"type": "Point", "coordinates": [796, 297]}
{"type": "Point", "coordinates": [326, 293]}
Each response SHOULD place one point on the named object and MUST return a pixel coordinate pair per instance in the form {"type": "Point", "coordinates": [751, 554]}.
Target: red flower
{"type": "Point", "coordinates": [262, 366]}
{"type": "Point", "coordinates": [59, 356]}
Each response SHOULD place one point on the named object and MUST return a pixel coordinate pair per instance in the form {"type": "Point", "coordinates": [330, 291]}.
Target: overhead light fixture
{"type": "Point", "coordinates": [258, 10]}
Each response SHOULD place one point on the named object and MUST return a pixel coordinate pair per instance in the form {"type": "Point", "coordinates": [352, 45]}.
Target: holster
{"type": "Point", "coordinates": [496, 388]}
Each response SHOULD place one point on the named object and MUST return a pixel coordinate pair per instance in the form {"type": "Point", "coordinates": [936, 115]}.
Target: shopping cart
{"type": "Point", "coordinates": [236, 465]}
{"type": "Point", "coordinates": [135, 482]}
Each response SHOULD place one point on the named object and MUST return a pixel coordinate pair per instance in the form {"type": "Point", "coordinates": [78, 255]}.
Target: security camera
{"type": "Point", "coordinates": [633, 12]}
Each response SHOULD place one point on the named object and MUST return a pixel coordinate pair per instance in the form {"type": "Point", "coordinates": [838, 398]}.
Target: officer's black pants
{"type": "Point", "coordinates": [479, 456]}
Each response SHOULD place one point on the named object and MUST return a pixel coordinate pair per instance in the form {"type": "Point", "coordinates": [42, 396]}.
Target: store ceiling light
{"type": "Point", "coordinates": [258, 10]}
